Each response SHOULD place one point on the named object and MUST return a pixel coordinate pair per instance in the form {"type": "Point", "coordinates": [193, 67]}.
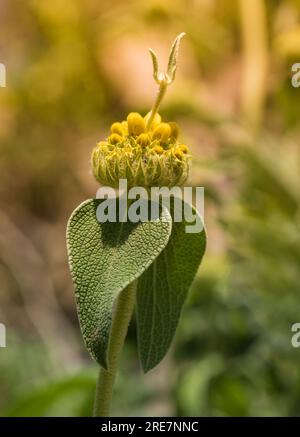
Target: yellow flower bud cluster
{"type": "Point", "coordinates": [146, 155]}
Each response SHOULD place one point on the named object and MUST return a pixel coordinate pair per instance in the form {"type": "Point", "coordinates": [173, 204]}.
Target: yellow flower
{"type": "Point", "coordinates": [179, 154]}
{"type": "Point", "coordinates": [117, 128]}
{"type": "Point", "coordinates": [143, 140]}
{"type": "Point", "coordinates": [147, 158]}
{"type": "Point", "coordinates": [136, 124]}
{"type": "Point", "coordinates": [162, 132]}
{"type": "Point", "coordinates": [158, 149]}
{"type": "Point", "coordinates": [115, 139]}
{"type": "Point", "coordinates": [183, 148]}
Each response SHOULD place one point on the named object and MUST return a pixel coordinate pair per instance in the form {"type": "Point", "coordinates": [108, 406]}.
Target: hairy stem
{"type": "Point", "coordinates": [106, 379]}
{"type": "Point", "coordinates": [161, 92]}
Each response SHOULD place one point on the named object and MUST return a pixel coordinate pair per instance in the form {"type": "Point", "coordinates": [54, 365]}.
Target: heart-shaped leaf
{"type": "Point", "coordinates": [162, 290]}
{"type": "Point", "coordinates": [104, 258]}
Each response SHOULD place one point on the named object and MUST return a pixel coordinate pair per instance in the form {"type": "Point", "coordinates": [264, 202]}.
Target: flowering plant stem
{"type": "Point", "coordinates": [121, 319]}
{"type": "Point", "coordinates": [161, 92]}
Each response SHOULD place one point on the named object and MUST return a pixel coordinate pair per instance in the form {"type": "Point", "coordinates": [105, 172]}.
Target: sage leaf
{"type": "Point", "coordinates": [104, 258]}
{"type": "Point", "coordinates": [162, 290]}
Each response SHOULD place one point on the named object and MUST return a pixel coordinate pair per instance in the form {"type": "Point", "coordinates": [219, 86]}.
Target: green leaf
{"type": "Point", "coordinates": [155, 64]}
{"type": "Point", "coordinates": [162, 290]}
{"type": "Point", "coordinates": [173, 56]}
{"type": "Point", "coordinates": [104, 258]}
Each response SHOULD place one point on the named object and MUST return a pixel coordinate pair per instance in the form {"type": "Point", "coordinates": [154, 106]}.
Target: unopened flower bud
{"type": "Point", "coordinates": [179, 154]}
{"type": "Point", "coordinates": [136, 124]}
{"type": "Point", "coordinates": [117, 128]}
{"type": "Point", "coordinates": [115, 139]}
{"type": "Point", "coordinates": [183, 148]}
{"type": "Point", "coordinates": [158, 149]}
{"type": "Point", "coordinates": [162, 132]}
{"type": "Point", "coordinates": [143, 140]}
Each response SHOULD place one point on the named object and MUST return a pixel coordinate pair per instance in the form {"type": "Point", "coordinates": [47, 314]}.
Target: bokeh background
{"type": "Point", "coordinates": [73, 67]}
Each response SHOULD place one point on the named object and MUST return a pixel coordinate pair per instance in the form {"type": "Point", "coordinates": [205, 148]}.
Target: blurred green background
{"type": "Point", "coordinates": [73, 67]}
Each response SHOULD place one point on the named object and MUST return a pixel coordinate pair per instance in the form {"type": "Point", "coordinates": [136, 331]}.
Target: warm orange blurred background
{"type": "Point", "coordinates": [74, 67]}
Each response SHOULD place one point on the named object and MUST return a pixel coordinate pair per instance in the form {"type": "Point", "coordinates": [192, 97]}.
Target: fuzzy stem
{"type": "Point", "coordinates": [106, 379]}
{"type": "Point", "coordinates": [161, 92]}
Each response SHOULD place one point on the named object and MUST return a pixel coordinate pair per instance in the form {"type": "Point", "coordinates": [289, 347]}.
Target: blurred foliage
{"type": "Point", "coordinates": [72, 67]}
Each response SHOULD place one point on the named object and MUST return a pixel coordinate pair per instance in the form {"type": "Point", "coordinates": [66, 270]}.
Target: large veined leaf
{"type": "Point", "coordinates": [104, 258]}
{"type": "Point", "coordinates": [162, 290]}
